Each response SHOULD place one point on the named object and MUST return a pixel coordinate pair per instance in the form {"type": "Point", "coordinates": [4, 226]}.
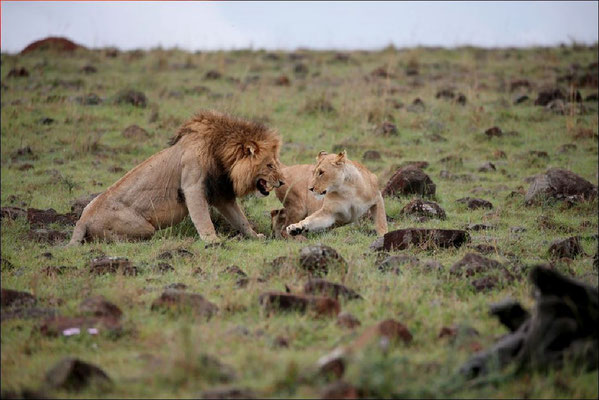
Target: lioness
{"type": "Point", "coordinates": [297, 200]}
{"type": "Point", "coordinates": [212, 159]}
{"type": "Point", "coordinates": [349, 191]}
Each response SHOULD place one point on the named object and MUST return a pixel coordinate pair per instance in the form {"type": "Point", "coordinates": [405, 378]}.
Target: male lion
{"type": "Point", "coordinates": [349, 191]}
{"type": "Point", "coordinates": [212, 159]}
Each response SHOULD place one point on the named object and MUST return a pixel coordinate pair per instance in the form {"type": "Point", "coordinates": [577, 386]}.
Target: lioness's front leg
{"type": "Point", "coordinates": [321, 219]}
{"type": "Point", "coordinates": [379, 216]}
{"type": "Point", "coordinates": [234, 214]}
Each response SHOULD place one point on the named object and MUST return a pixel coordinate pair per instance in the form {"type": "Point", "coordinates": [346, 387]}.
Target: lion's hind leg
{"type": "Point", "coordinates": [124, 224]}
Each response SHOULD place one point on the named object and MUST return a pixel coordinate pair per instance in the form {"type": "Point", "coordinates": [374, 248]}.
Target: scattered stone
{"type": "Point", "coordinates": [46, 121]}
{"type": "Point", "coordinates": [423, 209]}
{"type": "Point", "coordinates": [386, 331]}
{"type": "Point", "coordinates": [318, 258]}
{"type": "Point", "coordinates": [283, 80]}
{"type": "Point", "coordinates": [340, 390]}
{"type": "Point", "coordinates": [566, 148]}
{"type": "Point", "coordinates": [479, 227]}
{"type": "Point", "coordinates": [69, 326]}
{"type": "Point", "coordinates": [485, 248]}
{"type": "Point", "coordinates": [472, 264]}
{"type": "Point", "coordinates": [592, 97]}
{"type": "Point", "coordinates": [432, 266]}
{"type": "Point", "coordinates": [90, 99]}
{"type": "Point", "coordinates": [228, 393]}
{"type": "Point", "coordinates": [326, 288]}
{"type": "Point", "coordinates": [89, 69]}
{"type": "Point", "coordinates": [80, 203]}
{"type": "Point", "coordinates": [212, 75]}
{"type": "Point", "coordinates": [100, 307]}
{"type": "Point", "coordinates": [371, 155]}
{"type": "Point", "coordinates": [416, 106]}
{"type": "Point", "coordinates": [40, 218]}
{"type": "Point", "coordinates": [546, 95]}
{"type": "Point", "coordinates": [494, 132]}
{"type": "Point", "coordinates": [300, 69]}
{"type": "Point", "coordinates": [133, 97]}
{"type": "Point", "coordinates": [377, 245]}
{"type": "Point", "coordinates": [521, 99]}
{"type": "Point", "coordinates": [474, 203]}
{"type": "Point", "coordinates": [393, 263]}
{"type": "Point", "coordinates": [50, 236]}
{"type": "Point", "coordinates": [163, 268]}
{"type": "Point", "coordinates": [18, 73]}
{"type": "Point", "coordinates": [435, 137]}
{"type": "Point", "coordinates": [175, 286]}
{"type": "Point", "coordinates": [73, 374]}
{"type": "Point", "coordinates": [487, 167]}
{"type": "Point", "coordinates": [179, 301]}
{"type": "Point", "coordinates": [566, 248]}
{"type": "Point", "coordinates": [235, 270]}
{"type": "Point", "coordinates": [558, 183]}
{"type": "Point", "coordinates": [347, 320]}
{"type": "Point", "coordinates": [279, 301]}
{"type": "Point", "coordinates": [12, 213]}
{"type": "Point", "coordinates": [517, 229]}
{"type": "Point", "coordinates": [401, 239]}
{"type": "Point", "coordinates": [135, 132]}
{"type": "Point", "coordinates": [409, 180]}
{"type": "Point", "coordinates": [484, 283]}
{"type": "Point", "coordinates": [386, 129]}
{"type": "Point", "coordinates": [452, 160]}
{"type": "Point", "coordinates": [318, 105]}
{"type": "Point", "coordinates": [168, 255]}
{"type": "Point", "coordinates": [510, 313]}
{"type": "Point", "coordinates": [457, 331]}
{"type": "Point", "coordinates": [381, 72]}
{"type": "Point", "coordinates": [112, 265]}
{"type": "Point", "coordinates": [55, 271]}
{"type": "Point", "coordinates": [15, 298]}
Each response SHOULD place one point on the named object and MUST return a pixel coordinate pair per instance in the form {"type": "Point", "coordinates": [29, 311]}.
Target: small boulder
{"type": "Point", "coordinates": [179, 301]}
{"type": "Point", "coordinates": [371, 155]}
{"type": "Point", "coordinates": [347, 320]}
{"type": "Point", "coordinates": [423, 209]}
{"type": "Point", "coordinates": [409, 180]}
{"type": "Point", "coordinates": [100, 307]}
{"type": "Point", "coordinates": [546, 95]}
{"type": "Point", "coordinates": [494, 132]}
{"type": "Point", "coordinates": [475, 203]}
{"type": "Point", "coordinates": [566, 248]}
{"type": "Point", "coordinates": [386, 129]}
{"type": "Point", "coordinates": [73, 374]}
{"type": "Point", "coordinates": [326, 288]}
{"type": "Point", "coordinates": [132, 97]}
{"type": "Point", "coordinates": [393, 263]}
{"type": "Point", "coordinates": [135, 132]}
{"type": "Point", "coordinates": [15, 298]}
{"type": "Point", "coordinates": [318, 258]}
{"type": "Point", "coordinates": [283, 302]}
{"type": "Point", "coordinates": [558, 183]}
{"type": "Point", "coordinates": [212, 75]}
{"type": "Point", "coordinates": [112, 265]}
{"type": "Point", "coordinates": [401, 239]}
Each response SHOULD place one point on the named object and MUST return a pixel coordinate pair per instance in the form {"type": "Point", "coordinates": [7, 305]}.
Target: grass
{"type": "Point", "coordinates": [160, 355]}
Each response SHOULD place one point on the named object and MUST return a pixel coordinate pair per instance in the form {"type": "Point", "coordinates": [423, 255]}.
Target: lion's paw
{"type": "Point", "coordinates": [294, 229]}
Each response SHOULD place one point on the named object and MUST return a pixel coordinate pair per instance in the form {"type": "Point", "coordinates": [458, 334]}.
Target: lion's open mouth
{"type": "Point", "coordinates": [262, 187]}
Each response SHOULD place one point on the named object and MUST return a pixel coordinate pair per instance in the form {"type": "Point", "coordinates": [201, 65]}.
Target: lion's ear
{"type": "Point", "coordinates": [250, 148]}
{"type": "Point", "coordinates": [321, 154]}
{"type": "Point", "coordinates": [341, 158]}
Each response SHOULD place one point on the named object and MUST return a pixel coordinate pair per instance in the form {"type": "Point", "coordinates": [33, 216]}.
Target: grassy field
{"type": "Point", "coordinates": [83, 151]}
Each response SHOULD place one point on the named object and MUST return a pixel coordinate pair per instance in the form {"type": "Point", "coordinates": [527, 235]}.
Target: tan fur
{"type": "Point", "coordinates": [349, 190]}
{"type": "Point", "coordinates": [213, 159]}
{"type": "Point", "coordinates": [297, 200]}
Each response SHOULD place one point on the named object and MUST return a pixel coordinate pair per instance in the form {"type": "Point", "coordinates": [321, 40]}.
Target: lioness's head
{"type": "Point", "coordinates": [257, 168]}
{"type": "Point", "coordinates": [329, 173]}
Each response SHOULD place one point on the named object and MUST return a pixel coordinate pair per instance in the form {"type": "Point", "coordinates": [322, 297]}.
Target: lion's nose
{"type": "Point", "coordinates": [312, 189]}
{"type": "Point", "coordinates": [281, 183]}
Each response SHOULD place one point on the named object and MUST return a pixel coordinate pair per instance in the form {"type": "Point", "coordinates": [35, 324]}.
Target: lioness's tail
{"type": "Point", "coordinates": [78, 234]}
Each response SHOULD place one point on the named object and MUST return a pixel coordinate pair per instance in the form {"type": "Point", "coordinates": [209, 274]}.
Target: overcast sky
{"type": "Point", "coordinates": [289, 25]}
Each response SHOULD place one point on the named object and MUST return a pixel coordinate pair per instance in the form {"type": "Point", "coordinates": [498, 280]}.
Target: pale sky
{"type": "Point", "coordinates": [289, 25]}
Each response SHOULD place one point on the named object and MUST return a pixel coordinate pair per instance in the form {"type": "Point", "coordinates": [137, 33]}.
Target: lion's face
{"type": "Point", "coordinates": [257, 169]}
{"type": "Point", "coordinates": [328, 173]}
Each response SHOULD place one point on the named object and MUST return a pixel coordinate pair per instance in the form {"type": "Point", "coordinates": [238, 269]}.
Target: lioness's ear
{"type": "Point", "coordinates": [321, 154]}
{"type": "Point", "coordinates": [341, 158]}
{"type": "Point", "coordinates": [250, 148]}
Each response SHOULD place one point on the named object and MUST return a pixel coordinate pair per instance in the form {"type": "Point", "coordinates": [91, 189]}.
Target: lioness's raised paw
{"type": "Point", "coordinates": [294, 229]}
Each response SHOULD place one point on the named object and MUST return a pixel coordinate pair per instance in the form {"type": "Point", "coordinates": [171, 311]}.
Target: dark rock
{"type": "Point", "coordinates": [487, 167]}
{"type": "Point", "coordinates": [424, 209]}
{"type": "Point", "coordinates": [282, 80]}
{"type": "Point", "coordinates": [519, 83]}
{"type": "Point", "coordinates": [494, 132]}
{"type": "Point", "coordinates": [67, 326]}
{"type": "Point", "coordinates": [179, 301]}
{"type": "Point", "coordinates": [18, 72]}
{"type": "Point", "coordinates": [416, 106]}
{"type": "Point", "coordinates": [50, 236]}
{"type": "Point", "coordinates": [461, 99]}
{"type": "Point", "coordinates": [592, 97]}
{"type": "Point", "coordinates": [46, 121]}
{"type": "Point", "coordinates": [318, 258]}
{"type": "Point", "coordinates": [340, 390]}
{"type": "Point", "coordinates": [472, 264]}
{"type": "Point", "coordinates": [479, 227]}
{"type": "Point", "coordinates": [517, 229]}
{"type": "Point", "coordinates": [377, 245]}
{"type": "Point", "coordinates": [521, 99]}
{"type": "Point", "coordinates": [393, 263]}
{"type": "Point", "coordinates": [112, 265]}
{"type": "Point", "coordinates": [559, 183]}
{"type": "Point", "coordinates": [426, 238]}
{"type": "Point", "coordinates": [417, 164]}
{"type": "Point", "coordinates": [319, 105]}
{"type": "Point", "coordinates": [73, 374]}
{"type": "Point", "coordinates": [133, 97]}
{"type": "Point", "coordinates": [457, 331]}
{"type": "Point", "coordinates": [546, 95]}
{"type": "Point", "coordinates": [135, 132]}
{"type": "Point", "coordinates": [381, 72]}
{"type": "Point", "coordinates": [40, 218]}
{"type": "Point", "coordinates": [278, 301]}
{"type": "Point", "coordinates": [212, 75]}
{"type": "Point", "coordinates": [484, 283]}
{"type": "Point", "coordinates": [510, 313]}
{"type": "Point", "coordinates": [163, 268]}
{"type": "Point", "coordinates": [176, 286]}
{"type": "Point", "coordinates": [331, 289]}
{"type": "Point", "coordinates": [100, 307]}
{"type": "Point", "coordinates": [300, 69]}
{"type": "Point", "coordinates": [13, 213]}
{"type": "Point", "coordinates": [485, 248]}
{"type": "Point", "coordinates": [566, 148]}
{"type": "Point", "coordinates": [89, 69]}
{"type": "Point", "coordinates": [281, 341]}
{"type": "Point", "coordinates": [228, 393]}
{"type": "Point", "coordinates": [15, 298]}
{"type": "Point", "coordinates": [90, 99]}
{"type": "Point", "coordinates": [474, 203]}
{"type": "Point", "coordinates": [566, 248]}
{"type": "Point", "coordinates": [347, 320]}
{"type": "Point", "coordinates": [386, 129]}
{"type": "Point", "coordinates": [235, 270]}
{"type": "Point", "coordinates": [371, 155]}
{"type": "Point", "coordinates": [432, 266]}
{"type": "Point", "coordinates": [447, 94]}
{"type": "Point", "coordinates": [435, 137]}
{"type": "Point", "coordinates": [168, 255]}
{"type": "Point", "coordinates": [409, 180]}
{"type": "Point", "coordinates": [79, 204]}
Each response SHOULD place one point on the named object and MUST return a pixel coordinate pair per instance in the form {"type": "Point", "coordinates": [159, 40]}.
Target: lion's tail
{"type": "Point", "coordinates": [78, 233]}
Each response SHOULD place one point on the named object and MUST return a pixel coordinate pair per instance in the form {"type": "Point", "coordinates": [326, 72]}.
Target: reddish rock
{"type": "Point", "coordinates": [390, 330]}
{"type": "Point", "coordinates": [340, 390]}
{"type": "Point", "coordinates": [409, 180]}
{"type": "Point", "coordinates": [566, 248]}
{"type": "Point", "coordinates": [423, 209]}
{"type": "Point", "coordinates": [135, 132]}
{"type": "Point", "coordinates": [58, 44]}
{"type": "Point", "coordinates": [348, 320]}
{"type": "Point", "coordinates": [18, 73]}
{"type": "Point", "coordinates": [386, 129]}
{"type": "Point", "coordinates": [50, 236]}
{"type": "Point", "coordinates": [13, 213]}
{"type": "Point", "coordinates": [279, 301]}
{"type": "Point", "coordinates": [326, 288]}
{"type": "Point", "coordinates": [73, 374]}
{"type": "Point", "coordinates": [559, 183]}
{"type": "Point", "coordinates": [100, 307]}
{"type": "Point", "coordinates": [40, 218]}
{"type": "Point", "coordinates": [494, 132]}
{"type": "Point", "coordinates": [181, 301]}
{"type": "Point", "coordinates": [474, 263]}
{"type": "Point", "coordinates": [318, 258]}
{"type": "Point", "coordinates": [283, 80]}
{"type": "Point", "coordinates": [67, 326]}
{"type": "Point", "coordinates": [426, 238]}
{"type": "Point", "coordinates": [15, 298]}
{"type": "Point", "coordinates": [112, 265]}
{"type": "Point", "coordinates": [546, 95]}
{"type": "Point", "coordinates": [475, 203]}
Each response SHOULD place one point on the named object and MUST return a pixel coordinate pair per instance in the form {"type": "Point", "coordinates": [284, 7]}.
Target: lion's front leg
{"type": "Point", "coordinates": [321, 219]}
{"type": "Point", "coordinates": [199, 211]}
{"type": "Point", "coordinates": [234, 214]}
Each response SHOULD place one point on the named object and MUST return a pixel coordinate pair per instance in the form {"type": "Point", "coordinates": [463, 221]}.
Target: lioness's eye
{"type": "Point", "coordinates": [320, 172]}
{"type": "Point", "coordinates": [270, 166]}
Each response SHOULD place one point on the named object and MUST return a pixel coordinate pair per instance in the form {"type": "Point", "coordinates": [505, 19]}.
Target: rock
{"type": "Point", "coordinates": [485, 248]}
{"type": "Point", "coordinates": [386, 129]}
{"type": "Point", "coordinates": [163, 268]}
{"type": "Point", "coordinates": [566, 248]}
{"type": "Point", "coordinates": [562, 327]}
{"type": "Point", "coordinates": [50, 236]}
{"type": "Point", "coordinates": [432, 266]}
{"type": "Point", "coordinates": [392, 263]}
{"type": "Point", "coordinates": [52, 43]}
{"type": "Point", "coordinates": [592, 97]}
{"type": "Point", "coordinates": [326, 288]}
{"type": "Point", "coordinates": [13, 213]}
{"type": "Point", "coordinates": [517, 229]}
{"type": "Point", "coordinates": [112, 265]}
{"type": "Point", "coordinates": [487, 167]}
{"type": "Point", "coordinates": [318, 105]}
{"type": "Point", "coordinates": [168, 255]}
{"type": "Point", "coordinates": [474, 203]}
{"type": "Point", "coordinates": [179, 301]}
{"type": "Point", "coordinates": [447, 94]}
{"type": "Point", "coordinates": [100, 307]}
{"type": "Point", "coordinates": [282, 80]}
{"type": "Point", "coordinates": [69, 326]}
{"type": "Point", "coordinates": [566, 148]}
{"type": "Point", "coordinates": [416, 106]}
{"type": "Point", "coordinates": [371, 155]}
{"type": "Point", "coordinates": [386, 332]}
{"type": "Point", "coordinates": [347, 320]}
{"type": "Point", "coordinates": [484, 283]}
{"type": "Point", "coordinates": [510, 313]}
{"type": "Point", "coordinates": [457, 331]}
{"type": "Point", "coordinates": [41, 218]}
{"type": "Point", "coordinates": [401, 239]}
{"type": "Point", "coordinates": [46, 121]}
{"type": "Point", "coordinates": [340, 390]}
{"type": "Point", "coordinates": [90, 99]}
{"type": "Point", "coordinates": [133, 97]}
{"type": "Point", "coordinates": [282, 302]}
{"type": "Point", "coordinates": [176, 286]}
{"type": "Point", "coordinates": [73, 374]}
{"type": "Point", "coordinates": [521, 99]}
{"type": "Point", "coordinates": [228, 393]}
{"type": "Point", "coordinates": [435, 137]}
{"type": "Point", "coordinates": [409, 180]}
{"type": "Point", "coordinates": [15, 298]}
{"type": "Point", "coordinates": [424, 209]}
{"type": "Point", "coordinates": [381, 72]}
{"type": "Point", "coordinates": [18, 73]}
{"type": "Point", "coordinates": [479, 227]}
{"type": "Point", "coordinates": [89, 69]}
{"type": "Point", "coordinates": [235, 270]}
{"type": "Point", "coordinates": [300, 69]}
{"type": "Point", "coordinates": [494, 132]}
{"type": "Point", "coordinates": [472, 264]}
{"type": "Point", "coordinates": [558, 183]}
{"type": "Point", "coordinates": [519, 83]}
{"type": "Point", "coordinates": [546, 95]}
{"type": "Point", "coordinates": [378, 244]}
{"type": "Point", "coordinates": [318, 258]}
{"type": "Point", "coordinates": [79, 204]}
{"type": "Point", "coordinates": [417, 164]}
{"type": "Point", "coordinates": [212, 75]}
{"type": "Point", "coordinates": [135, 132]}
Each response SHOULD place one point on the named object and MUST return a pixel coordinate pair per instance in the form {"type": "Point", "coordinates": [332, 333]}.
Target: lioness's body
{"type": "Point", "coordinates": [213, 159]}
{"type": "Point", "coordinates": [297, 200]}
{"type": "Point", "coordinates": [349, 191]}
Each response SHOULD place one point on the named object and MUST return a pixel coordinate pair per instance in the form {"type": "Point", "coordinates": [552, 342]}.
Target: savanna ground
{"type": "Point", "coordinates": [83, 151]}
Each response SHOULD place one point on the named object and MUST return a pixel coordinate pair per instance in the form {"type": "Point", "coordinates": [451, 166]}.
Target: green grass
{"type": "Point", "coordinates": [160, 355]}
